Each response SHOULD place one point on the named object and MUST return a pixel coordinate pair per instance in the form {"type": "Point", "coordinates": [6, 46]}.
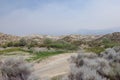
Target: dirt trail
{"type": "Point", "coordinates": [55, 65]}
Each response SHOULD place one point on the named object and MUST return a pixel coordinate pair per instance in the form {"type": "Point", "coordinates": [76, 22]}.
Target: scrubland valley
{"type": "Point", "coordinates": [66, 57]}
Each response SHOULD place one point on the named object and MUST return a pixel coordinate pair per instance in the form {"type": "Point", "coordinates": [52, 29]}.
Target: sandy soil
{"type": "Point", "coordinates": [53, 66]}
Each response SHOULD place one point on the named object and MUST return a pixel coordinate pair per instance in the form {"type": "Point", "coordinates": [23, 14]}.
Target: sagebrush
{"type": "Point", "coordinates": [16, 69]}
{"type": "Point", "coordinates": [105, 66]}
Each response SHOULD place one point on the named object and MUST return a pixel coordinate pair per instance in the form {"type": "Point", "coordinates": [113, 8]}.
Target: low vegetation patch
{"type": "Point", "coordinates": [10, 50]}
{"type": "Point", "coordinates": [52, 48]}
{"type": "Point", "coordinates": [60, 44]}
{"type": "Point", "coordinates": [59, 77]}
{"type": "Point", "coordinates": [36, 55]}
{"type": "Point", "coordinates": [98, 47]}
{"type": "Point", "coordinates": [45, 54]}
{"type": "Point", "coordinates": [95, 49]}
{"type": "Point", "coordinates": [49, 43]}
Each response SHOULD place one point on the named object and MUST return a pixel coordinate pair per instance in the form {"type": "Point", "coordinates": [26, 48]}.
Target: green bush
{"type": "Point", "coordinates": [95, 49]}
{"type": "Point", "coordinates": [98, 47]}
{"type": "Point", "coordinates": [10, 50]}
{"type": "Point", "coordinates": [95, 44]}
{"type": "Point", "coordinates": [32, 44]}
{"type": "Point", "coordinates": [105, 43]}
{"type": "Point", "coordinates": [110, 45]}
{"type": "Point", "coordinates": [47, 41]}
{"type": "Point", "coordinates": [16, 44]}
{"type": "Point", "coordinates": [63, 45]}
{"type": "Point", "coordinates": [10, 44]}
{"type": "Point", "coordinates": [106, 40]}
{"type": "Point", "coordinates": [59, 44]}
{"type": "Point", "coordinates": [22, 42]}
{"type": "Point", "coordinates": [4, 45]}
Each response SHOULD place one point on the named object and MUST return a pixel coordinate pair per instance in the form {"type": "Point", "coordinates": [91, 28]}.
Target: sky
{"type": "Point", "coordinates": [58, 17]}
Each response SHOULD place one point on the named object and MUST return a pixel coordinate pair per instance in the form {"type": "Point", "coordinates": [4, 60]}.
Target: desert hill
{"type": "Point", "coordinates": [39, 39]}
{"type": "Point", "coordinates": [4, 38]}
{"type": "Point", "coordinates": [115, 37]}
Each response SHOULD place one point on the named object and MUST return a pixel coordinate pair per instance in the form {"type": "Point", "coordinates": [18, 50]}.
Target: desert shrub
{"type": "Point", "coordinates": [89, 66]}
{"type": "Point", "coordinates": [16, 44]}
{"type": "Point", "coordinates": [78, 43]}
{"type": "Point", "coordinates": [10, 50]}
{"type": "Point", "coordinates": [47, 41]}
{"type": "Point", "coordinates": [22, 42]}
{"type": "Point", "coordinates": [19, 43]}
{"type": "Point", "coordinates": [59, 44]}
{"type": "Point", "coordinates": [94, 43]}
{"type": "Point", "coordinates": [106, 40]}
{"type": "Point", "coordinates": [32, 44]}
{"type": "Point", "coordinates": [110, 45]}
{"type": "Point", "coordinates": [10, 44]}
{"type": "Point", "coordinates": [95, 49]}
{"type": "Point", "coordinates": [15, 69]}
{"type": "Point", "coordinates": [63, 45]}
{"type": "Point", "coordinates": [4, 45]}
{"type": "Point", "coordinates": [98, 47]}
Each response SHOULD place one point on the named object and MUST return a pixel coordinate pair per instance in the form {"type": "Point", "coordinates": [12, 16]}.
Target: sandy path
{"type": "Point", "coordinates": [53, 66]}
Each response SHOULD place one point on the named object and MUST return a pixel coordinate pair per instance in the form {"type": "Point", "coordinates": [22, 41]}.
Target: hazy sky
{"type": "Point", "coordinates": [22, 17]}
